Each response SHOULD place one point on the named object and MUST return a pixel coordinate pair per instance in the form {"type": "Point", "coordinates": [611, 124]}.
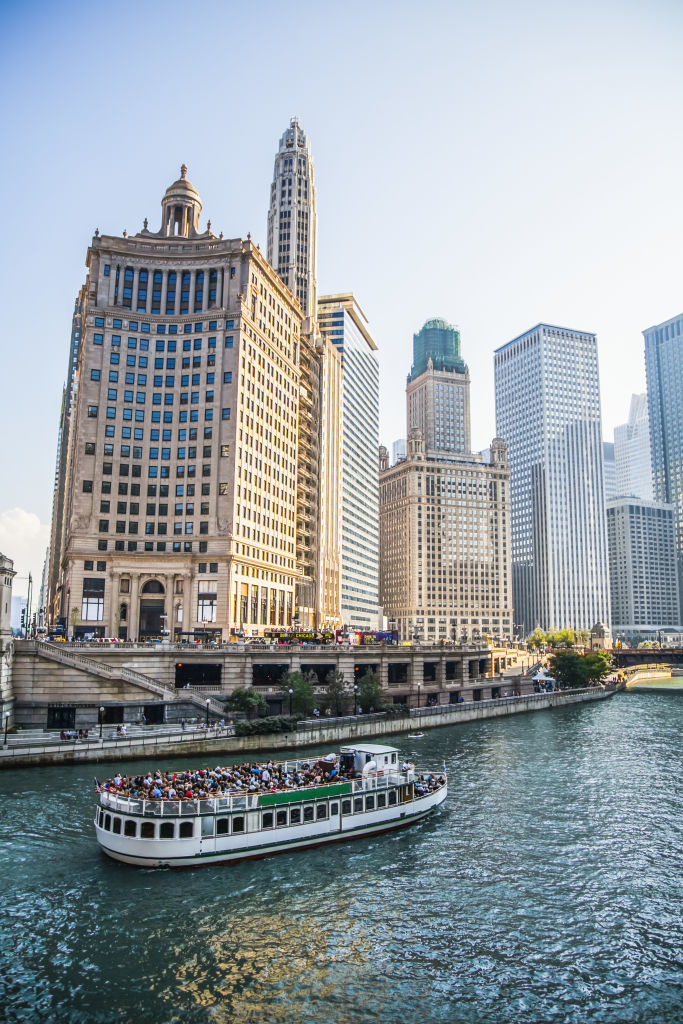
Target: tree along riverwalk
{"type": "Point", "coordinates": [314, 732]}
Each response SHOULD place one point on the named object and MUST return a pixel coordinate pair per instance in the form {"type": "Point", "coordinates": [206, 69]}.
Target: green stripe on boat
{"type": "Point", "coordinates": [298, 795]}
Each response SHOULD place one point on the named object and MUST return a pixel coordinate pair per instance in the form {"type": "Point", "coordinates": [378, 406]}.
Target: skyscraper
{"type": "Point", "coordinates": [632, 456]}
{"type": "Point", "coordinates": [643, 576]}
{"type": "Point", "coordinates": [609, 469]}
{"type": "Point", "coordinates": [548, 412]}
{"type": "Point", "coordinates": [399, 450]}
{"type": "Point", "coordinates": [438, 393]}
{"type": "Point", "coordinates": [292, 246]}
{"type": "Point", "coordinates": [292, 218]}
{"type": "Point", "coordinates": [180, 490]}
{"type": "Point", "coordinates": [291, 250]}
{"type": "Point", "coordinates": [344, 326]}
{"type": "Point", "coordinates": [664, 369]}
{"type": "Point", "coordinates": [444, 511]}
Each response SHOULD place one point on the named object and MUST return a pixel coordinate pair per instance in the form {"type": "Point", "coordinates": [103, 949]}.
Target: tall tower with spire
{"type": "Point", "coordinates": [292, 218]}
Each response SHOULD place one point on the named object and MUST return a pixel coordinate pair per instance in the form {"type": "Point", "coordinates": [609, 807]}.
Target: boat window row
{"type": "Point", "coordinates": [281, 817]}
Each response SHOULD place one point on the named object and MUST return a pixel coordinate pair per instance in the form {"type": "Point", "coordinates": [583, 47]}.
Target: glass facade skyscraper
{"type": "Point", "coordinates": [342, 322]}
{"type": "Point", "coordinates": [664, 369]}
{"type": "Point", "coordinates": [548, 413]}
{"type": "Point", "coordinates": [632, 452]}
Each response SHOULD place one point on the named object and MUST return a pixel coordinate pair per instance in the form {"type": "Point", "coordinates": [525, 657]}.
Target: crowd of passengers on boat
{"type": "Point", "coordinates": [202, 784]}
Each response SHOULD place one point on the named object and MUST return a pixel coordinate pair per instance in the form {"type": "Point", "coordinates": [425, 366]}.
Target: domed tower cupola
{"type": "Point", "coordinates": [180, 208]}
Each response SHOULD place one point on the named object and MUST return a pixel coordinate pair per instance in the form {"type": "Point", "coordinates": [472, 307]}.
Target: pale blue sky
{"type": "Point", "coordinates": [496, 164]}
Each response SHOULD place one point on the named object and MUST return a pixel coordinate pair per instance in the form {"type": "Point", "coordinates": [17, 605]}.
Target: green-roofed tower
{"type": "Point", "coordinates": [440, 342]}
{"type": "Point", "coordinates": [438, 392]}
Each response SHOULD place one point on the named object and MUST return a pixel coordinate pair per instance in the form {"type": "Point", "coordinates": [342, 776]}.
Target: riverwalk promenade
{"type": "Point", "coordinates": [165, 741]}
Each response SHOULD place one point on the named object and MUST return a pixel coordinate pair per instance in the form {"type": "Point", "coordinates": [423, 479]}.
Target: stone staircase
{"type": "Point", "coordinates": [97, 668]}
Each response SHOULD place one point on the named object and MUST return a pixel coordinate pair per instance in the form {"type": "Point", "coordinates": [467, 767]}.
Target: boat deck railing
{"type": "Point", "coordinates": [188, 807]}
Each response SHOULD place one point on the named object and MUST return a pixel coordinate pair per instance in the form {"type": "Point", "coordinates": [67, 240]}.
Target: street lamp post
{"type": "Point", "coordinates": [6, 724]}
{"type": "Point", "coordinates": [101, 716]}
{"type": "Point", "coordinates": [419, 693]}
{"type": "Point", "coordinates": [208, 702]}
{"type": "Point", "coordinates": [355, 700]}
{"type": "Point", "coordinates": [291, 694]}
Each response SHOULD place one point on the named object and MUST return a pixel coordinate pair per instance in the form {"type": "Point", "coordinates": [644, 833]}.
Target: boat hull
{"type": "Point", "coordinates": [198, 851]}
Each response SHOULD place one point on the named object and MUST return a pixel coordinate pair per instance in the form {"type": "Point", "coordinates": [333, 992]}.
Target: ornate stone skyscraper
{"type": "Point", "coordinates": [292, 233]}
{"type": "Point", "coordinates": [444, 510]}
{"type": "Point", "coordinates": [438, 391]}
{"type": "Point", "coordinates": [292, 218]}
{"type": "Point", "coordinates": [179, 445]}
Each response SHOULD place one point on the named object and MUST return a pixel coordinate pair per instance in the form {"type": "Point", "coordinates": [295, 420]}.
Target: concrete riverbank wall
{"type": "Point", "coordinates": [307, 734]}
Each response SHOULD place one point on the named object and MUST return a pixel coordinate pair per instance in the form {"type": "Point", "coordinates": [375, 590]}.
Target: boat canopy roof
{"type": "Point", "coordinates": [374, 749]}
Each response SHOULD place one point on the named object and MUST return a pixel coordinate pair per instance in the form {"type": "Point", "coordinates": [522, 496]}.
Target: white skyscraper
{"type": "Point", "coordinates": [548, 413]}
{"type": "Point", "coordinates": [632, 452]}
{"type": "Point", "coordinates": [292, 227]}
{"type": "Point", "coordinates": [343, 325]}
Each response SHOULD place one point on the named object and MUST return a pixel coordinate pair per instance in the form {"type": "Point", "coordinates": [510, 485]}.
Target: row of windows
{"type": "Point", "coordinates": [145, 328]}
{"type": "Point", "coordinates": [180, 489]}
{"type": "Point", "coordinates": [139, 417]}
{"type": "Point", "coordinates": [280, 818]}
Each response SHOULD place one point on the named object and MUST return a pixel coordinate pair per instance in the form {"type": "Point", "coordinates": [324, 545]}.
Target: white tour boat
{"type": "Point", "coordinates": [369, 791]}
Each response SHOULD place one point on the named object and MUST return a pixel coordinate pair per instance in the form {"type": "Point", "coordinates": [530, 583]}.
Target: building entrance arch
{"type": "Point", "coordinates": [152, 609]}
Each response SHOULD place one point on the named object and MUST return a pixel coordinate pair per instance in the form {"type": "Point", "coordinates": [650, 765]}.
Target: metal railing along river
{"type": "Point", "coordinates": [157, 741]}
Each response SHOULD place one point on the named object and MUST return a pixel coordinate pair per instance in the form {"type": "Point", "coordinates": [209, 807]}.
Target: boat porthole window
{"type": "Point", "coordinates": [186, 829]}
{"type": "Point", "coordinates": [308, 813]}
{"type": "Point", "coordinates": [357, 803]}
{"type": "Point", "coordinates": [369, 803]}
{"type": "Point", "coordinates": [207, 826]}
{"type": "Point", "coordinates": [281, 818]}
{"type": "Point", "coordinates": [100, 818]}
{"type": "Point", "coordinates": [393, 758]}
{"type": "Point", "coordinates": [238, 824]}
{"type": "Point", "coordinates": [321, 811]}
{"type": "Point", "coordinates": [116, 827]}
{"type": "Point", "coordinates": [222, 827]}
{"type": "Point", "coordinates": [147, 830]}
{"type": "Point", "coordinates": [381, 799]}
{"type": "Point", "coordinates": [295, 816]}
{"type": "Point", "coordinates": [392, 797]}
{"type": "Point", "coordinates": [346, 806]}
{"type": "Point", "coordinates": [130, 828]}
{"type": "Point", "coordinates": [267, 820]}
{"type": "Point", "coordinates": [107, 822]}
{"type": "Point", "coordinates": [334, 808]}
{"type": "Point", "coordinates": [166, 830]}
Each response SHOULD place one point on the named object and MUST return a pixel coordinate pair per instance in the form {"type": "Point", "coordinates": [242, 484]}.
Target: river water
{"type": "Point", "coordinates": [547, 889]}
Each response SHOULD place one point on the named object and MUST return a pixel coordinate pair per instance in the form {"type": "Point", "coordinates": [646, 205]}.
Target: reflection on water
{"type": "Point", "coordinates": [547, 888]}
{"type": "Point", "coordinates": [293, 960]}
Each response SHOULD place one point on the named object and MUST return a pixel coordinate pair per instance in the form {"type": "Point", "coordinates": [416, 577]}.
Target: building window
{"type": "Point", "coordinates": [87, 486]}
{"type": "Point", "coordinates": [93, 600]}
{"type": "Point", "coordinates": [206, 608]}
{"type": "Point", "coordinates": [92, 411]}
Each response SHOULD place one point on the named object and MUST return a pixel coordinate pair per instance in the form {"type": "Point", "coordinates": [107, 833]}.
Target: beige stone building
{"type": "Point", "coordinates": [445, 558]}
{"type": "Point", "coordinates": [7, 574]}
{"type": "Point", "coordinates": [179, 461]}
